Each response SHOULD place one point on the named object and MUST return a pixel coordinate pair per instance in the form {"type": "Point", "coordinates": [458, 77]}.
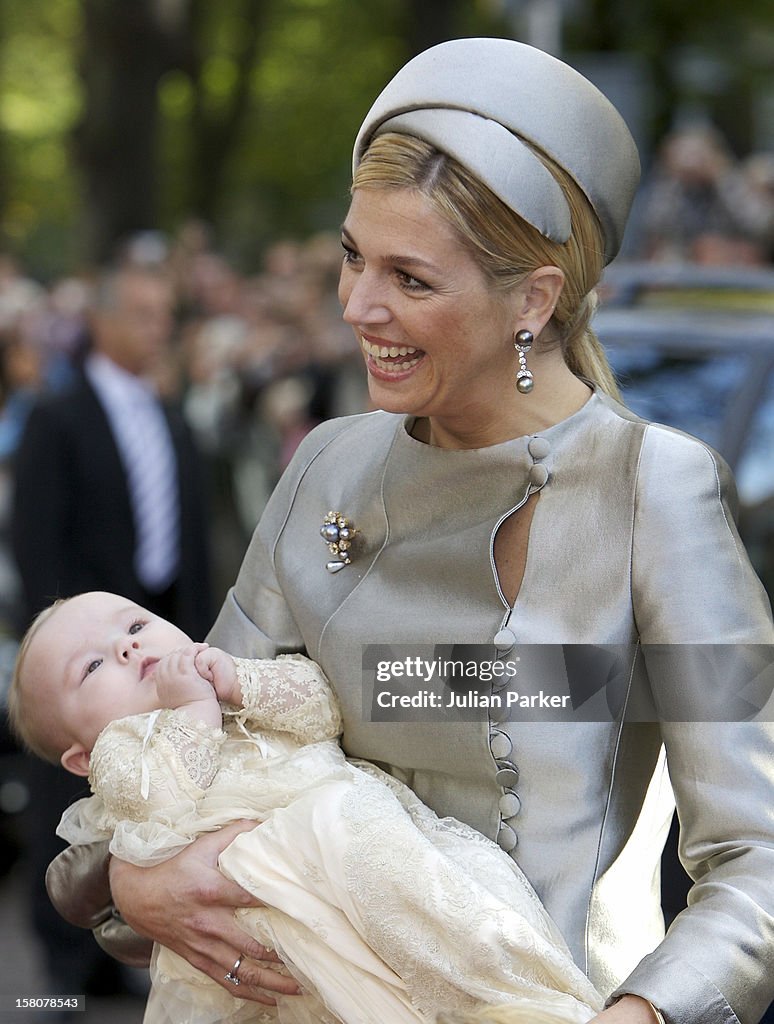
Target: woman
{"type": "Point", "coordinates": [503, 498]}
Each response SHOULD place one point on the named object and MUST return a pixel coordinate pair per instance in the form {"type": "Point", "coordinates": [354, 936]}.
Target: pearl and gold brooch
{"type": "Point", "coordinates": [338, 532]}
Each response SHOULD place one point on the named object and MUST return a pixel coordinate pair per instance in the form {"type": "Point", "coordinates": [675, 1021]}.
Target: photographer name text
{"type": "Point", "coordinates": [471, 699]}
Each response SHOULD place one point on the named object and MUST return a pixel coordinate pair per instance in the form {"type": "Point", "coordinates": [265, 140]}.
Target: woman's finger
{"type": "Point", "coordinates": [256, 981]}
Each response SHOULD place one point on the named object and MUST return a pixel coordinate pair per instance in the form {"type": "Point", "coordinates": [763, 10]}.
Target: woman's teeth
{"type": "Point", "coordinates": [381, 353]}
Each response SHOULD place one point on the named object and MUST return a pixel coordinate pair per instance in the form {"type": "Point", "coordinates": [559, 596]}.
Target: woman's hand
{"type": "Point", "coordinates": [187, 905]}
{"type": "Point", "coordinates": [628, 1010]}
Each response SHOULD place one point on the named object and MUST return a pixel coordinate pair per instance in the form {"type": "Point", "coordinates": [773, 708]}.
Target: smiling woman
{"type": "Point", "coordinates": [500, 496]}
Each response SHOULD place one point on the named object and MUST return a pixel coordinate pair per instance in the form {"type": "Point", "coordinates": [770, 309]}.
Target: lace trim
{"type": "Point", "coordinates": [198, 751]}
{"type": "Point", "coordinates": [289, 694]}
{"type": "Point", "coordinates": [144, 762]}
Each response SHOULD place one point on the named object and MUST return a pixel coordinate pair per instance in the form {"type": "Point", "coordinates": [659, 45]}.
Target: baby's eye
{"type": "Point", "coordinates": [135, 627]}
{"type": "Point", "coordinates": [93, 666]}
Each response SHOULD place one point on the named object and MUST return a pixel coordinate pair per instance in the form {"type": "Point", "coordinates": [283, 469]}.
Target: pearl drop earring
{"type": "Point", "coordinates": [522, 342]}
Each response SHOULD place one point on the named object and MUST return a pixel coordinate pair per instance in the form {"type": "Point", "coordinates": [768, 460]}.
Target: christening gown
{"type": "Point", "coordinates": [381, 910]}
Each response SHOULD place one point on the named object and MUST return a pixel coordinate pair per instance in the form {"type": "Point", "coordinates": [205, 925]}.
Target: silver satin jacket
{"type": "Point", "coordinates": [632, 541]}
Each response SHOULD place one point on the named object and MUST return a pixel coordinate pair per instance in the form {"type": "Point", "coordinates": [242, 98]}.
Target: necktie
{"type": "Point", "coordinates": [151, 469]}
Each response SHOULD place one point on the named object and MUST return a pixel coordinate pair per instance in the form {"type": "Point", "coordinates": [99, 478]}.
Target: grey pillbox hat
{"type": "Point", "coordinates": [479, 99]}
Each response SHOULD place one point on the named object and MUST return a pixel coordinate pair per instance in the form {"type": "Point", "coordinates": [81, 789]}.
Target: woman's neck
{"type": "Point", "coordinates": [555, 397]}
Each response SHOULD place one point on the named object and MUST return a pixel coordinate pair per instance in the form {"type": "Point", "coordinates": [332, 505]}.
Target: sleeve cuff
{"type": "Point", "coordinates": [118, 940]}
{"type": "Point", "coordinates": [682, 994]}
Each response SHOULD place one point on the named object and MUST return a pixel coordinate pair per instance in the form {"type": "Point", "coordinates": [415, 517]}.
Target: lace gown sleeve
{"type": "Point", "coordinates": [289, 694]}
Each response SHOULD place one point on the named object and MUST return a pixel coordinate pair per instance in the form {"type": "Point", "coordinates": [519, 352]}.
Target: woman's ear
{"type": "Point", "coordinates": [540, 294]}
{"type": "Point", "coordinates": [76, 760]}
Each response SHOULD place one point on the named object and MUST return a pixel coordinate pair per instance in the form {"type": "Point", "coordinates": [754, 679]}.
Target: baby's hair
{"type": "Point", "coordinates": [22, 719]}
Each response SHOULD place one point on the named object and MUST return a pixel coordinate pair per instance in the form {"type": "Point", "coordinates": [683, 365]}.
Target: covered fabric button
{"type": "Point", "coordinates": [505, 639]}
{"type": "Point", "coordinates": [538, 475]}
{"type": "Point", "coordinates": [501, 683]}
{"type": "Point", "coordinates": [509, 805]}
{"type": "Point", "coordinates": [507, 776]}
{"type": "Point", "coordinates": [500, 744]}
{"type": "Point", "coordinates": [499, 714]}
{"type": "Point", "coordinates": [538, 447]}
{"type": "Point", "coordinates": [507, 839]}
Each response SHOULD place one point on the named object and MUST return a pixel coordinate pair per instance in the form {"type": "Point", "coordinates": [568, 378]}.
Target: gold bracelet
{"type": "Point", "coordinates": [657, 1013]}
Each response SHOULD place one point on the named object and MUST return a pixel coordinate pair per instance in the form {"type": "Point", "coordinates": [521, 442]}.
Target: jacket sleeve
{"type": "Point", "coordinates": [255, 620]}
{"type": "Point", "coordinates": [42, 506]}
{"type": "Point", "coordinates": [693, 586]}
{"type": "Point", "coordinates": [77, 884]}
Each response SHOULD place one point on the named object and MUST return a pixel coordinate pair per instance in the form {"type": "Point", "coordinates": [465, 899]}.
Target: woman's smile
{"type": "Point", "coordinates": [383, 357]}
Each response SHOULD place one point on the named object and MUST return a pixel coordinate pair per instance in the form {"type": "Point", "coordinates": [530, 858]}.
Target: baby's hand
{"type": "Point", "coordinates": [219, 668]}
{"type": "Point", "coordinates": [179, 684]}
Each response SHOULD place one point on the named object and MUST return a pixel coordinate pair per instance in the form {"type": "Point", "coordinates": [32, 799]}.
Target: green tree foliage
{"type": "Point", "coordinates": [713, 53]}
{"type": "Point", "coordinates": [39, 104]}
{"type": "Point", "coordinates": [261, 123]}
{"type": "Point", "coordinates": [281, 165]}
{"type": "Point", "coordinates": [117, 115]}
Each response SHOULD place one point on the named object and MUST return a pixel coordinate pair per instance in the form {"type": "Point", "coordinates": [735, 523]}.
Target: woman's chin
{"type": "Point", "coordinates": [395, 395]}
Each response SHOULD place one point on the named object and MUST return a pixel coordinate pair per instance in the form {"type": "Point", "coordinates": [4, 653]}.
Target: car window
{"type": "Point", "coordinates": [691, 393]}
{"type": "Point", "coordinates": [696, 394]}
{"type": "Point", "coordinates": [755, 469]}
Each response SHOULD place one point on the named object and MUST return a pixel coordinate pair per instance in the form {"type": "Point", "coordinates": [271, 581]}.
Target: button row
{"type": "Point", "coordinates": [507, 777]}
{"type": "Point", "coordinates": [500, 744]}
{"type": "Point", "coordinates": [538, 448]}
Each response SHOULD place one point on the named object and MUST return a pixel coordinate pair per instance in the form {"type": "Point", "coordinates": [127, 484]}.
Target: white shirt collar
{"type": "Point", "coordinates": [114, 381]}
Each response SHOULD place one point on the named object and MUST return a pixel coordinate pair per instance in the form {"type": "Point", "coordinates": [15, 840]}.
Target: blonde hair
{"type": "Point", "coordinates": [504, 246]}
{"type": "Point", "coordinates": [24, 722]}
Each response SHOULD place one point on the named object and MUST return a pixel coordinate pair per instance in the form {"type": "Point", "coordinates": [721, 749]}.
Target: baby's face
{"type": "Point", "coordinates": [94, 659]}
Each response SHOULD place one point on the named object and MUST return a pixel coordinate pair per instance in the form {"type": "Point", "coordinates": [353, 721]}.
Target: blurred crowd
{"type": "Point", "coordinates": [703, 205]}
{"type": "Point", "coordinates": [256, 361]}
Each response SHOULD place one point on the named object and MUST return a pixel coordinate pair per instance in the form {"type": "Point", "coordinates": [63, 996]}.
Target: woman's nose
{"type": "Point", "coordinates": [363, 302]}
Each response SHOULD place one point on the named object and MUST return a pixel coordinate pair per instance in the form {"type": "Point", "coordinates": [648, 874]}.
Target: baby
{"type": "Point", "coordinates": [380, 910]}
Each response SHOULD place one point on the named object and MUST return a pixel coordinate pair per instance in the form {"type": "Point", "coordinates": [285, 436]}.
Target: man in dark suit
{"type": "Point", "coordinates": [77, 524]}
{"type": "Point", "coordinates": [107, 497]}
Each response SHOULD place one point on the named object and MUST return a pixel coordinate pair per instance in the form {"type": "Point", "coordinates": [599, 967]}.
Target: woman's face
{"type": "Point", "coordinates": [436, 337]}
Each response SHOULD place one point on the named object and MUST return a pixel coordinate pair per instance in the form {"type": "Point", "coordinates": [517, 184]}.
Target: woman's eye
{"type": "Point", "coordinates": [350, 256]}
{"type": "Point", "coordinates": [135, 628]}
{"type": "Point", "coordinates": [93, 666]}
{"type": "Point", "coordinates": [410, 283]}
